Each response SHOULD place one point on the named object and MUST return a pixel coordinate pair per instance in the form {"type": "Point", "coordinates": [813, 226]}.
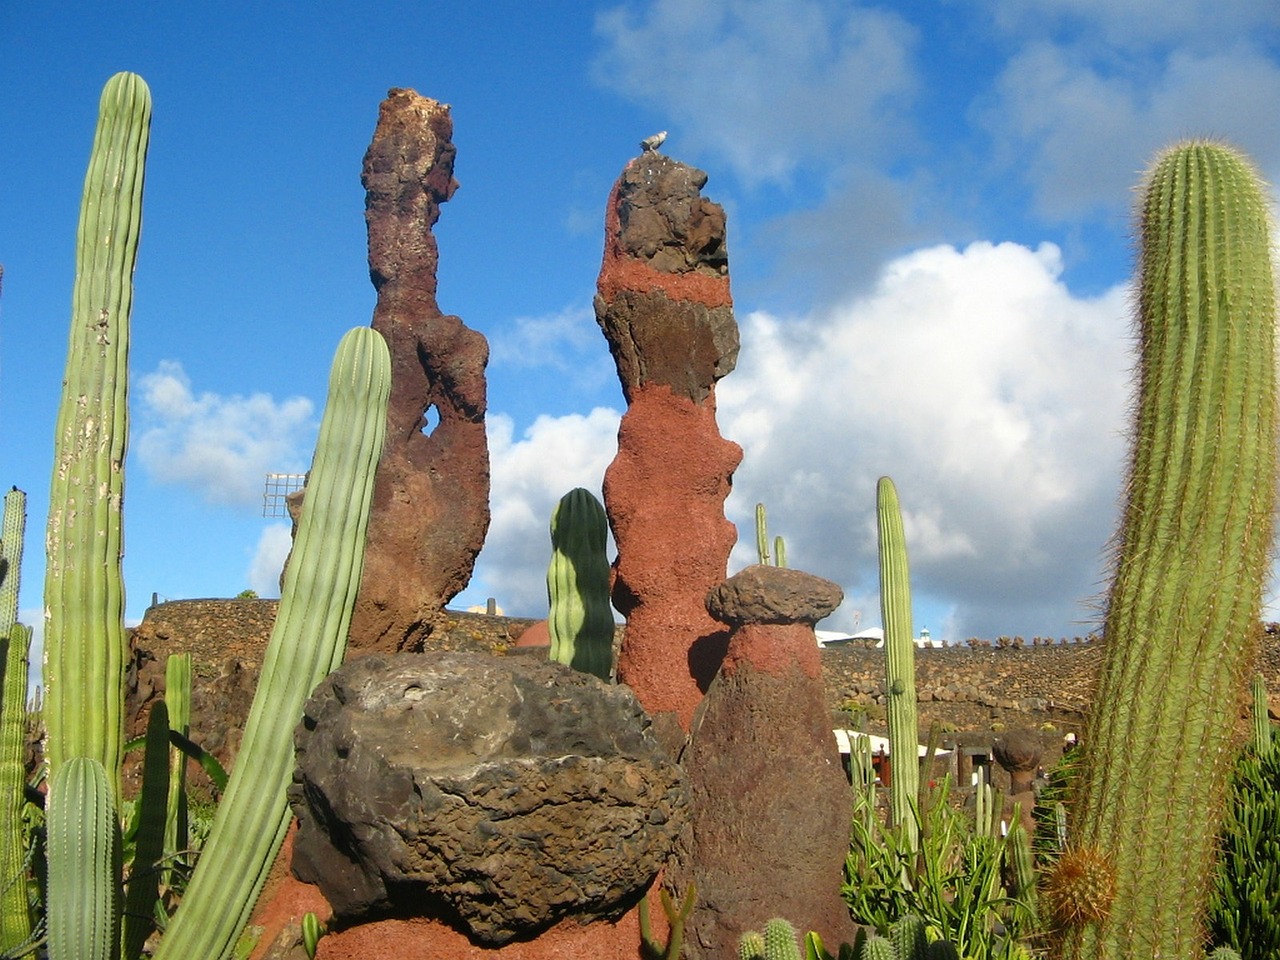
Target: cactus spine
{"type": "Point", "coordinates": [307, 643]}
{"type": "Point", "coordinates": [1192, 552]}
{"type": "Point", "coordinates": [84, 591]}
{"type": "Point", "coordinates": [900, 662]}
{"type": "Point", "coordinates": [580, 621]}
{"type": "Point", "coordinates": [84, 853]}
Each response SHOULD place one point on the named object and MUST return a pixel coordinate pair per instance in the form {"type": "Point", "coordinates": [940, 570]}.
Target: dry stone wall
{"type": "Point", "coordinates": [965, 689]}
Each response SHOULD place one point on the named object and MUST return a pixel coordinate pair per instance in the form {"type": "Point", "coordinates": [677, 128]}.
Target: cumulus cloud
{"type": "Point", "coordinates": [772, 85]}
{"type": "Point", "coordinates": [219, 445]}
{"type": "Point", "coordinates": [268, 559]}
{"type": "Point", "coordinates": [1140, 24]}
{"type": "Point", "coordinates": [992, 396]}
{"type": "Point", "coordinates": [974, 377]}
{"type": "Point", "coordinates": [529, 475]}
{"type": "Point", "coordinates": [564, 341]}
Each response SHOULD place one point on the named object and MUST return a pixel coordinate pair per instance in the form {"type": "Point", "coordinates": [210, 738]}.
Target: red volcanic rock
{"type": "Point", "coordinates": [664, 305]}
{"type": "Point", "coordinates": [770, 810]}
{"type": "Point", "coordinates": [431, 493]}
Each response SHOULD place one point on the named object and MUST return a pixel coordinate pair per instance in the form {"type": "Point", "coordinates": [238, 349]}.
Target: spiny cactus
{"type": "Point", "coordinates": [11, 541]}
{"type": "Point", "coordinates": [900, 654]}
{"type": "Point", "coordinates": [1192, 552]}
{"type": "Point", "coordinates": [580, 620]}
{"type": "Point", "coordinates": [307, 643]}
{"type": "Point", "coordinates": [84, 591]}
{"type": "Point", "coordinates": [177, 701]}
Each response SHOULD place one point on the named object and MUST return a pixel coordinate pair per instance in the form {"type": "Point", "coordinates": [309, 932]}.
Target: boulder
{"type": "Point", "coordinates": [501, 795]}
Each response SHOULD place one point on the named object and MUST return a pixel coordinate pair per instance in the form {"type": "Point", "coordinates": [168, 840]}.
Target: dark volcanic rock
{"type": "Point", "coordinates": [430, 506]}
{"type": "Point", "coordinates": [664, 305]}
{"type": "Point", "coordinates": [770, 811]}
{"type": "Point", "coordinates": [761, 594]}
{"type": "Point", "coordinates": [502, 795]}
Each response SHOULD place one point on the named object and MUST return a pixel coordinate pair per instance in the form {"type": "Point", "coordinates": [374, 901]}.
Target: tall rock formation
{"type": "Point", "coordinates": [431, 494]}
{"type": "Point", "coordinates": [664, 305]}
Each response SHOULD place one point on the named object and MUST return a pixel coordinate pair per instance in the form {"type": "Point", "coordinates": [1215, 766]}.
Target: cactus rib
{"type": "Point", "coordinates": [307, 643]}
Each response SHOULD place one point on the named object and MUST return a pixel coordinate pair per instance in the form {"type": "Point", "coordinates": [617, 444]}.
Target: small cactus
{"type": "Point", "coordinates": [580, 620]}
{"type": "Point", "coordinates": [1079, 888]}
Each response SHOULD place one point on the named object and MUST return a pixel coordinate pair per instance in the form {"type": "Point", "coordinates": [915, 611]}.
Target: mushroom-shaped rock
{"type": "Point", "coordinates": [763, 594]}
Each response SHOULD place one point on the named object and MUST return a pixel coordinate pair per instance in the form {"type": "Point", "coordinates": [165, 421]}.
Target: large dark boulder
{"type": "Point", "coordinates": [499, 794]}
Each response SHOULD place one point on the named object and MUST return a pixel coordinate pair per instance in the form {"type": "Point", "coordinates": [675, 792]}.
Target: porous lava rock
{"type": "Point", "coordinates": [663, 303]}
{"type": "Point", "coordinates": [499, 795]}
{"type": "Point", "coordinates": [430, 508]}
{"type": "Point", "coordinates": [770, 800]}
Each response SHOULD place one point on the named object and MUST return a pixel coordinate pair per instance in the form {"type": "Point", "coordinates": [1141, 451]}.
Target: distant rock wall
{"type": "Point", "coordinates": [963, 688]}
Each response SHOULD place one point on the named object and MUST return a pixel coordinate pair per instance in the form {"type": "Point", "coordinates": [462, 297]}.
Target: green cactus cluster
{"type": "Point", "coordinates": [907, 938]}
{"type": "Point", "coordinates": [1193, 553]}
{"type": "Point", "coordinates": [89, 911]}
{"type": "Point", "coordinates": [1244, 907]}
{"type": "Point", "coordinates": [779, 556]}
{"type": "Point", "coordinates": [580, 619]}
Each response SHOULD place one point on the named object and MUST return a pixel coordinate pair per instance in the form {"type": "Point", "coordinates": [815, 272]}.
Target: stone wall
{"type": "Point", "coordinates": [975, 690]}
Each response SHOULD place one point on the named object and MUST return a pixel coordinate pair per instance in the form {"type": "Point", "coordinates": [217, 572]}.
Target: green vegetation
{"type": "Point", "coordinates": [580, 620]}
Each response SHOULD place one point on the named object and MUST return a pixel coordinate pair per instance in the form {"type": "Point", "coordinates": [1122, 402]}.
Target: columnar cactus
{"type": "Point", "coordinates": [15, 640]}
{"type": "Point", "coordinates": [11, 539]}
{"type": "Point", "coordinates": [84, 591]}
{"type": "Point", "coordinates": [580, 620]}
{"type": "Point", "coordinates": [83, 904]}
{"type": "Point", "coordinates": [1192, 554]}
{"type": "Point", "coordinates": [177, 701]}
{"type": "Point", "coordinates": [307, 643]}
{"type": "Point", "coordinates": [15, 912]}
{"type": "Point", "coordinates": [900, 661]}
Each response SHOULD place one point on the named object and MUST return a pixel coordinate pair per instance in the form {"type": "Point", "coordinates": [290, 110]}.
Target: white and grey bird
{"type": "Point", "coordinates": [651, 144]}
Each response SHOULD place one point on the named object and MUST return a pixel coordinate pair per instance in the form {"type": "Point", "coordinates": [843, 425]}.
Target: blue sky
{"type": "Point", "coordinates": [929, 216]}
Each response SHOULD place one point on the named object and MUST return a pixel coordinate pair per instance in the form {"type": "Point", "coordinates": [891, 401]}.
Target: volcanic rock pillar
{"type": "Point", "coordinates": [664, 305]}
{"type": "Point", "coordinates": [431, 493]}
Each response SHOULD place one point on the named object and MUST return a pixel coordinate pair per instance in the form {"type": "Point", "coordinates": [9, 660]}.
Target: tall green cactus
{"type": "Point", "coordinates": [1192, 553]}
{"type": "Point", "coordinates": [177, 700]}
{"type": "Point", "coordinates": [15, 911]}
{"type": "Point", "coordinates": [900, 661]}
{"type": "Point", "coordinates": [83, 903]}
{"type": "Point", "coordinates": [1261, 720]}
{"type": "Point", "coordinates": [307, 643]}
{"type": "Point", "coordinates": [15, 640]}
{"type": "Point", "coordinates": [11, 540]}
{"type": "Point", "coordinates": [84, 591]}
{"type": "Point", "coordinates": [580, 620]}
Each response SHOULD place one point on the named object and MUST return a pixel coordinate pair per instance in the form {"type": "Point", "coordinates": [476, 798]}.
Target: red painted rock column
{"type": "Point", "coordinates": [430, 507]}
{"type": "Point", "coordinates": [664, 305]}
{"type": "Point", "coordinates": [770, 800]}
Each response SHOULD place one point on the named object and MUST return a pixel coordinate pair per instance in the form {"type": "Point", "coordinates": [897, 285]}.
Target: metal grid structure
{"type": "Point", "coordinates": [278, 487]}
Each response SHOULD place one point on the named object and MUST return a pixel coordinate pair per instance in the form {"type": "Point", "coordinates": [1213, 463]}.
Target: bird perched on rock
{"type": "Point", "coordinates": [651, 144]}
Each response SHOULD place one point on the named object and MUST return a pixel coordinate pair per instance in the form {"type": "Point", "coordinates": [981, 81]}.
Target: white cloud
{"type": "Point", "coordinates": [566, 342]}
{"type": "Point", "coordinates": [1131, 24]}
{"type": "Point", "coordinates": [528, 476]}
{"type": "Point", "coordinates": [991, 395]}
{"type": "Point", "coordinates": [771, 85]}
{"type": "Point", "coordinates": [219, 445]}
{"type": "Point", "coordinates": [1079, 129]}
{"type": "Point", "coordinates": [269, 555]}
